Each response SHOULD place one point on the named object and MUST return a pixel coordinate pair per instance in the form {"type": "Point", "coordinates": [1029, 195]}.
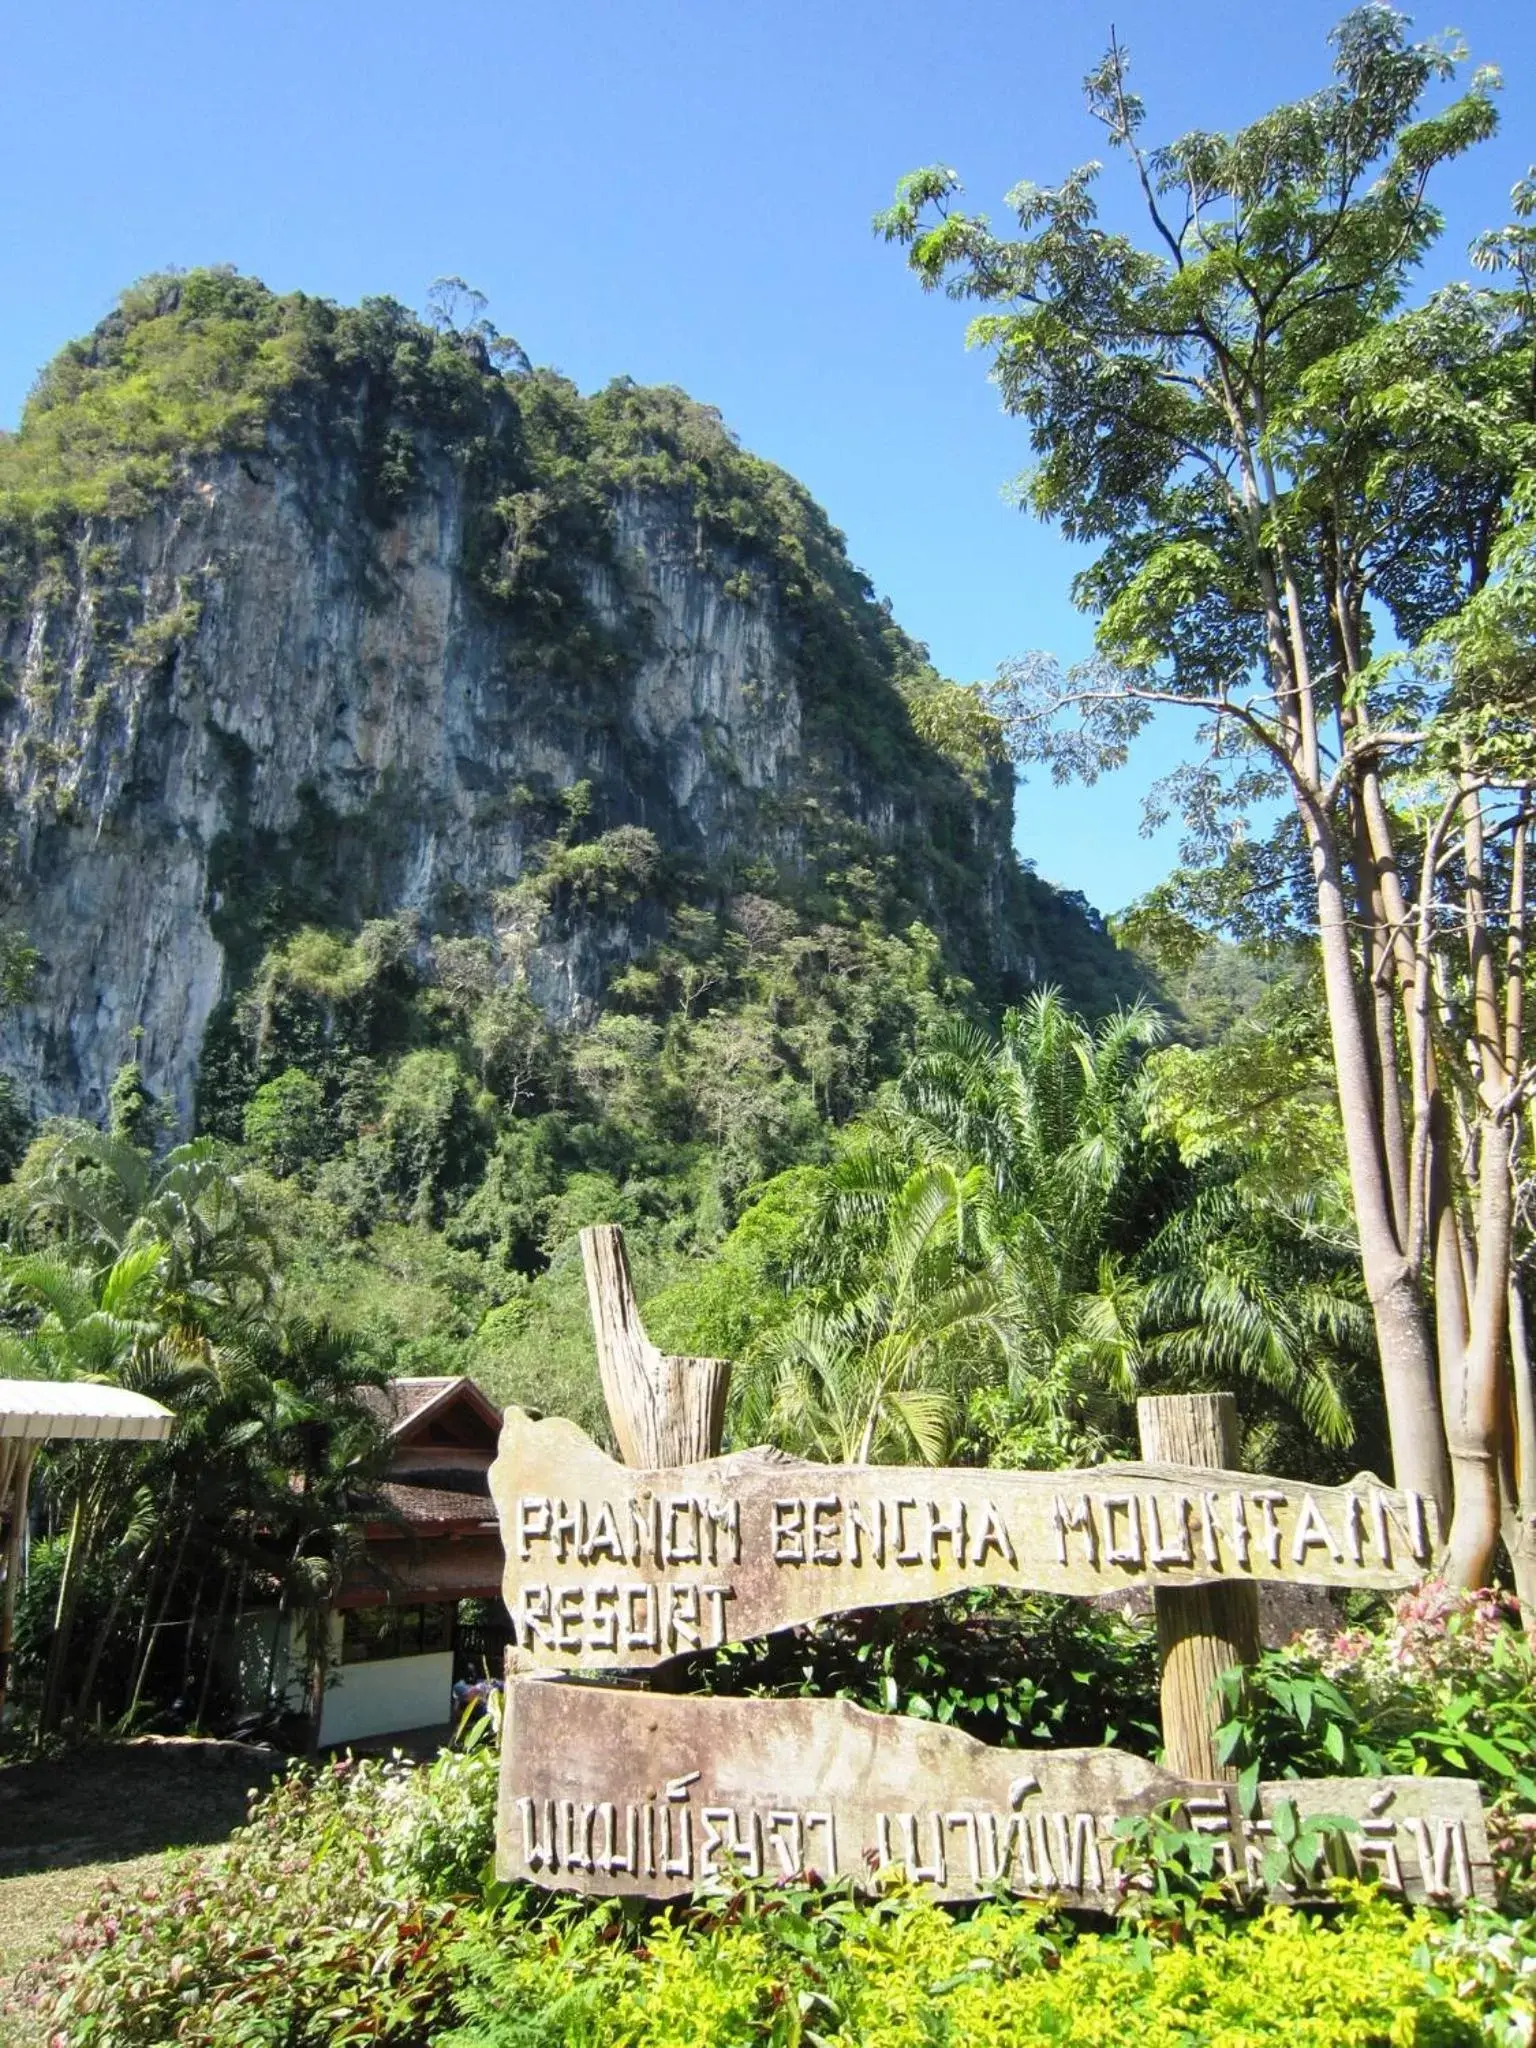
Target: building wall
{"type": "Point", "coordinates": [387, 1696]}
{"type": "Point", "coordinates": [384, 1697]}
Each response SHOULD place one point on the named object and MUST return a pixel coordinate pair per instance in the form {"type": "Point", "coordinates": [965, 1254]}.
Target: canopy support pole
{"type": "Point", "coordinates": [20, 1478]}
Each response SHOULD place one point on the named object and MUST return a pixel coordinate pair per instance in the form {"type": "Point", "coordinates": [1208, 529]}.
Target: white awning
{"type": "Point", "coordinates": [36, 1410]}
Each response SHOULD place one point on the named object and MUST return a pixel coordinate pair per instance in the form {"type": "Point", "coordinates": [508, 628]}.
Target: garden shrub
{"type": "Point", "coordinates": [357, 1907]}
{"type": "Point", "coordinates": [330, 1920]}
{"type": "Point", "coordinates": [1447, 1686]}
{"type": "Point", "coordinates": [1018, 1670]}
{"type": "Point", "coordinates": [899, 1973]}
{"type": "Point", "coordinates": [1491, 1962]}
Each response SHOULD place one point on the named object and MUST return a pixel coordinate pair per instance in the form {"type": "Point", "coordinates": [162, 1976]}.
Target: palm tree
{"type": "Point", "coordinates": [878, 1359]}
{"type": "Point", "coordinates": [107, 1323]}
{"type": "Point", "coordinates": [1001, 1245]}
{"type": "Point", "coordinates": [86, 1323]}
{"type": "Point", "coordinates": [1261, 1289]}
{"type": "Point", "coordinates": [153, 1275]}
{"type": "Point", "coordinates": [89, 1188]}
{"type": "Point", "coordinates": [323, 1450]}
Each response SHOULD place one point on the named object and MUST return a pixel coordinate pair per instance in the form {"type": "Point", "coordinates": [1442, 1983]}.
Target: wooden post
{"type": "Point", "coordinates": [1201, 1630]}
{"type": "Point", "coordinates": [664, 1410]}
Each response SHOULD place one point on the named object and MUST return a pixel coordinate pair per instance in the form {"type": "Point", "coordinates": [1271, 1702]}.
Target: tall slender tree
{"type": "Point", "coordinates": [1277, 456]}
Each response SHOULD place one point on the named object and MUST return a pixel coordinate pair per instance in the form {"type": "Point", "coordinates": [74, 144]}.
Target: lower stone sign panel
{"type": "Point", "coordinates": [654, 1795]}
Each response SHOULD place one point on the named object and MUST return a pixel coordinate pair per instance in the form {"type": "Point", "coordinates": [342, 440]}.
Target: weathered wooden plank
{"type": "Point", "coordinates": [613, 1791]}
{"type": "Point", "coordinates": [607, 1566]}
{"type": "Point", "coordinates": [664, 1409]}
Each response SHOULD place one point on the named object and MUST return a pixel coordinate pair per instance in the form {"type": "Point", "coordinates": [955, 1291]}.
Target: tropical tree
{"type": "Point", "coordinates": [323, 1448]}
{"type": "Point", "coordinates": [1003, 1256]}
{"type": "Point", "coordinates": [1277, 455]}
{"type": "Point", "coordinates": [1120, 1270]}
{"type": "Point", "coordinates": [877, 1358]}
{"type": "Point", "coordinates": [80, 1321]}
{"type": "Point", "coordinates": [1259, 1289]}
{"type": "Point", "coordinates": [260, 1488]}
{"type": "Point", "coordinates": [153, 1275]}
{"type": "Point", "coordinates": [81, 1187]}
{"type": "Point", "coordinates": [1263, 1089]}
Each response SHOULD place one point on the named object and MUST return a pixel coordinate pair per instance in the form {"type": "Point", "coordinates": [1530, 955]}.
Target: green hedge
{"type": "Point", "coordinates": [904, 1974]}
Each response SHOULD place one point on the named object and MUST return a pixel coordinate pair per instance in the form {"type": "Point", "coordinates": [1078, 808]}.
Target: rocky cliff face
{"type": "Point", "coordinates": [268, 693]}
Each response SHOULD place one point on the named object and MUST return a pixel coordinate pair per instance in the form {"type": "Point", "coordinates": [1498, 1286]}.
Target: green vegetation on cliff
{"type": "Point", "coordinates": [426, 1141]}
{"type": "Point", "coordinates": [212, 363]}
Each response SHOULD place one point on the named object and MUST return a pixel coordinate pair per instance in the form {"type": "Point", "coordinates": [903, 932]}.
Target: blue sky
{"type": "Point", "coordinates": [675, 190]}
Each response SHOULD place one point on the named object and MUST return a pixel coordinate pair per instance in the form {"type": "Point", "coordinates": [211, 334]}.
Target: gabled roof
{"type": "Point", "coordinates": [36, 1410]}
{"type": "Point", "coordinates": [408, 1405]}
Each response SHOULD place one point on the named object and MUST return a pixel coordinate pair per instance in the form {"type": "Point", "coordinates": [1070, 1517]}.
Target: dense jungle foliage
{"type": "Point", "coordinates": [985, 1260]}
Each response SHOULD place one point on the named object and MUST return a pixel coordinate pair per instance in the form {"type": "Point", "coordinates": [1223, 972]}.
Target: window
{"type": "Point", "coordinates": [371, 1633]}
{"type": "Point", "coordinates": [437, 1628]}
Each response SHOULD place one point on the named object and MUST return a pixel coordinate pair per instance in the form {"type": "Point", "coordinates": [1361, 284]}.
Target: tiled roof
{"type": "Point", "coordinates": [469, 1568]}
{"type": "Point", "coordinates": [421, 1505]}
{"type": "Point", "coordinates": [398, 1400]}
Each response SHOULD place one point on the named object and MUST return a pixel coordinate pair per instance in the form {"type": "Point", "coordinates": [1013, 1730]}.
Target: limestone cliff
{"type": "Point", "coordinates": [349, 652]}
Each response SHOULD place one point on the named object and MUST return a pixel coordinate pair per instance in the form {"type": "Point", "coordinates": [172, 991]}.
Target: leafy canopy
{"type": "Point", "coordinates": [1223, 411]}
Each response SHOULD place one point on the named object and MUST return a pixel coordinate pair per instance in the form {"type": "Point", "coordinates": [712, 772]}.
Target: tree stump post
{"type": "Point", "coordinates": [664, 1410]}
{"type": "Point", "coordinates": [1201, 1630]}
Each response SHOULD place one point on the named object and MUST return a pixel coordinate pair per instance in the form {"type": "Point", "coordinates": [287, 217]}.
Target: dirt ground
{"type": "Point", "coordinates": [114, 1811]}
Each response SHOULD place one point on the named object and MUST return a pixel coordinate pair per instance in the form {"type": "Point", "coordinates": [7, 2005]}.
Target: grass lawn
{"type": "Point", "coordinates": [117, 1810]}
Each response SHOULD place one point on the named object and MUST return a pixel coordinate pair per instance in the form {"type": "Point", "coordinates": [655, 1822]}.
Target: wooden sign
{"type": "Point", "coordinates": [608, 1566]}
{"type": "Point", "coordinates": [610, 1791]}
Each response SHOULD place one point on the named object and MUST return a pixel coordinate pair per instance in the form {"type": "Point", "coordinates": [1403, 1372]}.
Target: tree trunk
{"type": "Point", "coordinates": [1520, 1504]}
{"type": "Point", "coordinates": [317, 1623]}
{"type": "Point", "coordinates": [103, 1634]}
{"type": "Point", "coordinates": [1478, 1406]}
{"type": "Point", "coordinates": [1381, 971]}
{"type": "Point", "coordinates": [665, 1410]}
{"type": "Point", "coordinates": [213, 1646]}
{"type": "Point", "coordinates": [142, 1639]}
{"type": "Point", "coordinates": [14, 1495]}
{"type": "Point", "coordinates": [63, 1624]}
{"type": "Point", "coordinates": [192, 1620]}
{"type": "Point", "coordinates": [275, 1649]}
{"type": "Point", "coordinates": [1474, 1415]}
{"type": "Point", "coordinates": [1202, 1631]}
{"type": "Point", "coordinates": [159, 1622]}
{"type": "Point", "coordinates": [1408, 1364]}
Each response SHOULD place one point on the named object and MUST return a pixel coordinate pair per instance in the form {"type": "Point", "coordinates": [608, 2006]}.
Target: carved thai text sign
{"type": "Point", "coordinates": [608, 1566]}
{"type": "Point", "coordinates": [618, 1791]}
